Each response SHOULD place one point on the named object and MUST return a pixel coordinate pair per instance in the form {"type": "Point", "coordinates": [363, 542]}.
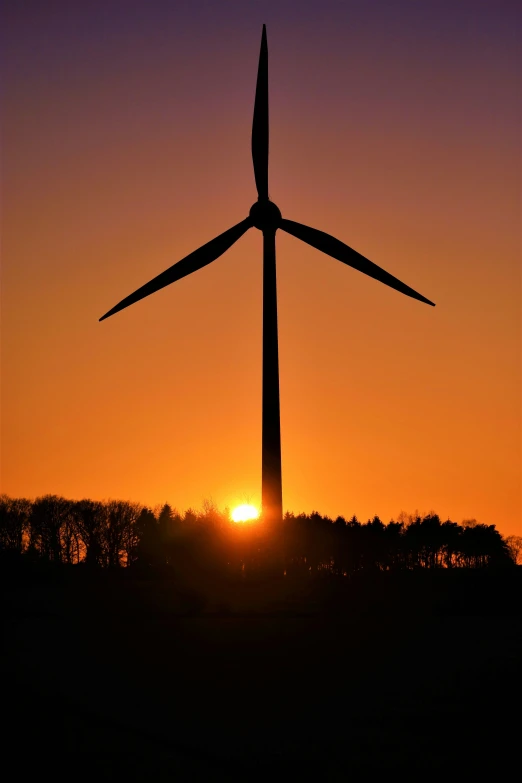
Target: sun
{"type": "Point", "coordinates": [244, 513]}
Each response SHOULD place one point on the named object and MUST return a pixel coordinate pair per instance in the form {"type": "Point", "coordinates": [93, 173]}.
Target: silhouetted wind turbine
{"type": "Point", "coordinates": [266, 216]}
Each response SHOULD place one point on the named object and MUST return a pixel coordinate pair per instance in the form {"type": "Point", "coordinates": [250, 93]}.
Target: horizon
{"type": "Point", "coordinates": [207, 504]}
{"type": "Point", "coordinates": [126, 144]}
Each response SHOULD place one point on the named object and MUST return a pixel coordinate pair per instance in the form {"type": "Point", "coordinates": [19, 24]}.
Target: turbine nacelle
{"type": "Point", "coordinates": [265, 215]}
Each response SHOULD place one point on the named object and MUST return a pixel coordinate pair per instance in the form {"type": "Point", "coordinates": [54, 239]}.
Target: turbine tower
{"type": "Point", "coordinates": [265, 216]}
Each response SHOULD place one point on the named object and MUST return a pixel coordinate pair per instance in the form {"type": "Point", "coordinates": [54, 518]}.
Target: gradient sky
{"type": "Point", "coordinates": [395, 126]}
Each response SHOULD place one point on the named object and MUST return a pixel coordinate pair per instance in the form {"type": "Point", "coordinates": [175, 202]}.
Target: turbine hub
{"type": "Point", "coordinates": [265, 215]}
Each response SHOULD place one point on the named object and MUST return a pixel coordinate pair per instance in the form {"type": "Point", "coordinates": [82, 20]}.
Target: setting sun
{"type": "Point", "coordinates": [244, 513]}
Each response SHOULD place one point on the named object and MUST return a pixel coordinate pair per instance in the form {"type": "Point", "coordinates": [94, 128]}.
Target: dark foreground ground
{"type": "Point", "coordinates": [150, 680]}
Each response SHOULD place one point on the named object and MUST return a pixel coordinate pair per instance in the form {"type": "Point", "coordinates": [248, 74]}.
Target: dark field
{"type": "Point", "coordinates": [150, 680]}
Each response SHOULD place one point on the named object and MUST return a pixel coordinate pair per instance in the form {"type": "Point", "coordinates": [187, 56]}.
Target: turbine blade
{"type": "Point", "coordinates": [191, 263]}
{"type": "Point", "coordinates": [333, 247]}
{"type": "Point", "coordinates": [260, 123]}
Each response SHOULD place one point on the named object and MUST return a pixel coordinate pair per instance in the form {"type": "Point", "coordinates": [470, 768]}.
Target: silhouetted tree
{"type": "Point", "coordinates": [51, 528]}
{"type": "Point", "coordinates": [147, 550]}
{"type": "Point", "coordinates": [170, 525]}
{"type": "Point", "coordinates": [91, 519]}
{"type": "Point", "coordinates": [393, 533]}
{"type": "Point", "coordinates": [119, 536]}
{"type": "Point", "coordinates": [14, 523]}
{"type": "Point", "coordinates": [514, 545]}
{"type": "Point", "coordinates": [482, 545]}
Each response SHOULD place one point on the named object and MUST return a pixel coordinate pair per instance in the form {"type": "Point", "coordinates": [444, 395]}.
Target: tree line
{"type": "Point", "coordinates": [117, 534]}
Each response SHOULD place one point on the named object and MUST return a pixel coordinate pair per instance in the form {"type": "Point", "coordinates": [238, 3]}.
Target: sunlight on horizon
{"type": "Point", "coordinates": [244, 513]}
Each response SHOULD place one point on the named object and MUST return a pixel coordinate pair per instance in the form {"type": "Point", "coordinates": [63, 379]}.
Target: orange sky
{"type": "Point", "coordinates": [127, 145]}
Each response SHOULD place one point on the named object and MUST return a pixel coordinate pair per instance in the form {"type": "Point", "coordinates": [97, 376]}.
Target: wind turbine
{"type": "Point", "coordinates": [265, 216]}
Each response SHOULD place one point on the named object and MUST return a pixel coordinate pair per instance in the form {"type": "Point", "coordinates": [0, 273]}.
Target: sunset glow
{"type": "Point", "coordinates": [244, 513]}
{"type": "Point", "coordinates": [127, 145]}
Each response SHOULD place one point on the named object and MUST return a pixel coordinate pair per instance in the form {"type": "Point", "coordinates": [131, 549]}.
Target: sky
{"type": "Point", "coordinates": [126, 145]}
